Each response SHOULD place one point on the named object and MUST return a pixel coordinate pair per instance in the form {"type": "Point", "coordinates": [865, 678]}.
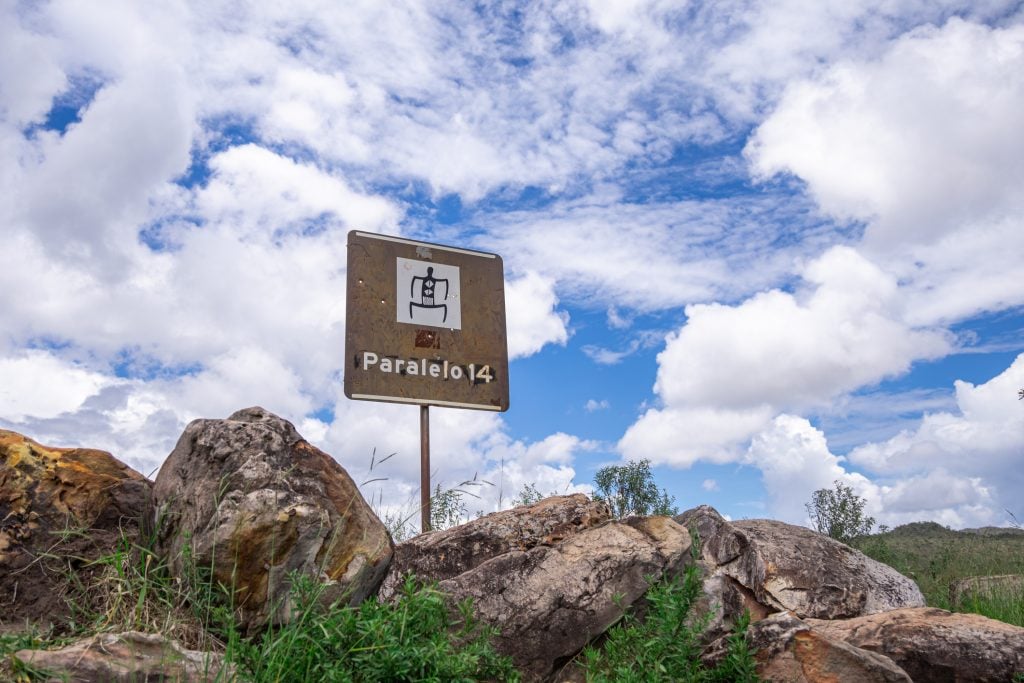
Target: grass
{"type": "Point", "coordinates": [666, 644]}
{"type": "Point", "coordinates": [935, 557]}
{"type": "Point", "coordinates": [415, 639]}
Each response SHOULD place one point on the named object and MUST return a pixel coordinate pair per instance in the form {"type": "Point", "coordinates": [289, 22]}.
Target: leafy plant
{"type": "Point", "coordinates": [447, 508]}
{"type": "Point", "coordinates": [666, 644]}
{"type": "Point", "coordinates": [528, 495]}
{"type": "Point", "coordinates": [630, 490]}
{"type": "Point", "coordinates": [415, 639]}
{"type": "Point", "coordinates": [839, 513]}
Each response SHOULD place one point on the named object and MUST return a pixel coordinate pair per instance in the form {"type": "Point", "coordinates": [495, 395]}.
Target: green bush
{"type": "Point", "coordinates": [665, 644]}
{"type": "Point", "coordinates": [839, 513]}
{"type": "Point", "coordinates": [630, 490]}
{"type": "Point", "coordinates": [414, 639]}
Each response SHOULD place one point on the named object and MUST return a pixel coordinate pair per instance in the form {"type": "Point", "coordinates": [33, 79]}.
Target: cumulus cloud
{"type": "Point", "coordinates": [593, 405]}
{"type": "Point", "coordinates": [924, 145]}
{"type": "Point", "coordinates": [40, 384]}
{"type": "Point", "coordinates": [955, 467]}
{"type": "Point", "coordinates": [532, 317]}
{"type": "Point", "coordinates": [736, 366]}
{"type": "Point", "coordinates": [795, 460]}
{"type": "Point", "coordinates": [984, 437]}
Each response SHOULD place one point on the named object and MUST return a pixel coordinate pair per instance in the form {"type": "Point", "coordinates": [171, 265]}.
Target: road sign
{"type": "Point", "coordinates": [425, 324]}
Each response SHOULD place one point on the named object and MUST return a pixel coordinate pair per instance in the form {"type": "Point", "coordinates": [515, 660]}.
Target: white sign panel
{"type": "Point", "coordinates": [429, 294]}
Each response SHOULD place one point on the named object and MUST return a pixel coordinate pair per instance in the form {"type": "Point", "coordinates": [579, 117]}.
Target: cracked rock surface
{"type": "Point", "coordinates": [446, 554]}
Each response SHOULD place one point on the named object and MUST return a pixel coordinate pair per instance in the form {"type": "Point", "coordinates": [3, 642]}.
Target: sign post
{"type": "Point", "coordinates": [425, 325]}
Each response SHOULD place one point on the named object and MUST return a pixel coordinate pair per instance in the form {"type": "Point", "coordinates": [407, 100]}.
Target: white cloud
{"type": "Point", "coordinates": [683, 436]}
{"type": "Point", "coordinates": [709, 485]}
{"type": "Point", "coordinates": [924, 144]}
{"type": "Point", "coordinates": [40, 384]}
{"type": "Point", "coordinates": [465, 446]}
{"type": "Point", "coordinates": [594, 405]}
{"type": "Point", "coordinates": [255, 188]}
{"type": "Point", "coordinates": [985, 438]}
{"type": "Point", "coordinates": [795, 460]}
{"type": "Point", "coordinates": [777, 351]}
{"type": "Point", "coordinates": [532, 315]}
{"type": "Point", "coordinates": [780, 349]}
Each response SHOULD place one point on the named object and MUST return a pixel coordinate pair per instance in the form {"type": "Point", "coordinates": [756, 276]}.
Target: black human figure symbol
{"type": "Point", "coordinates": [427, 293]}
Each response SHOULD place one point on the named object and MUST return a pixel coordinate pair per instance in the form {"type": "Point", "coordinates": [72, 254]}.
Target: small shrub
{"type": "Point", "coordinates": [630, 490]}
{"type": "Point", "coordinates": [839, 513]}
{"type": "Point", "coordinates": [410, 640]}
{"type": "Point", "coordinates": [666, 644]}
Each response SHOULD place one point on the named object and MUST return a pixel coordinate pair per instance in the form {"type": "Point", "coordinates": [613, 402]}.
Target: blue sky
{"type": "Point", "coordinates": [766, 245]}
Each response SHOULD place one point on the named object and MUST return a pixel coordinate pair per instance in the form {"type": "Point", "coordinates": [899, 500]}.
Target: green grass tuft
{"type": "Point", "coordinates": [665, 645]}
{"type": "Point", "coordinates": [415, 639]}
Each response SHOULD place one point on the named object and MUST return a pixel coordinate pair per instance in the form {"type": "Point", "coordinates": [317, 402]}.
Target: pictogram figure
{"type": "Point", "coordinates": [428, 293]}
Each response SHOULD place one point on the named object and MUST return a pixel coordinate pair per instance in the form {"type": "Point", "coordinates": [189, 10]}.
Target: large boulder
{"type": "Point", "coordinates": [784, 567]}
{"type": "Point", "coordinates": [550, 600]}
{"type": "Point", "coordinates": [60, 510]}
{"type": "Point", "coordinates": [127, 658]}
{"type": "Point", "coordinates": [788, 649]}
{"type": "Point", "coordinates": [253, 501]}
{"type": "Point", "coordinates": [935, 645]}
{"type": "Point", "coordinates": [446, 554]}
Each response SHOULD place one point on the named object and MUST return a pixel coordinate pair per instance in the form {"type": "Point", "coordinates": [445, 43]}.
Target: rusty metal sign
{"type": "Point", "coordinates": [425, 324]}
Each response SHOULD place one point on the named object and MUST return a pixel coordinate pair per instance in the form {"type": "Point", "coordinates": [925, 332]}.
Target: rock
{"type": "Point", "coordinates": [442, 555]}
{"type": "Point", "coordinates": [787, 649]}
{"type": "Point", "coordinates": [550, 601]}
{"type": "Point", "coordinates": [255, 501]}
{"type": "Point", "coordinates": [935, 645]}
{"type": "Point", "coordinates": [720, 542]}
{"type": "Point", "coordinates": [982, 587]}
{"type": "Point", "coordinates": [60, 509]}
{"type": "Point", "coordinates": [126, 657]}
{"type": "Point", "coordinates": [786, 567]}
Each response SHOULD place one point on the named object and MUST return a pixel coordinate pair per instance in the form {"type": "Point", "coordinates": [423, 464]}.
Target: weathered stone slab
{"type": "Point", "coordinates": [935, 645]}
{"type": "Point", "coordinates": [786, 567]}
{"type": "Point", "coordinates": [788, 649]}
{"type": "Point", "coordinates": [445, 554]}
{"type": "Point", "coordinates": [985, 587]}
{"type": "Point", "coordinates": [128, 657]}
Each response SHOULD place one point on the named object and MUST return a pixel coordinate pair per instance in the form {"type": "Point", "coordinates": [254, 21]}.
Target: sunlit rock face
{"type": "Point", "coordinates": [253, 501]}
{"type": "Point", "coordinates": [60, 509]}
{"type": "Point", "coordinates": [551, 576]}
{"type": "Point", "coordinates": [764, 566]}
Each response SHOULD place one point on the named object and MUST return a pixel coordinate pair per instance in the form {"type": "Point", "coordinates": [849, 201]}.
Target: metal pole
{"type": "Point", "coordinates": [425, 468]}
